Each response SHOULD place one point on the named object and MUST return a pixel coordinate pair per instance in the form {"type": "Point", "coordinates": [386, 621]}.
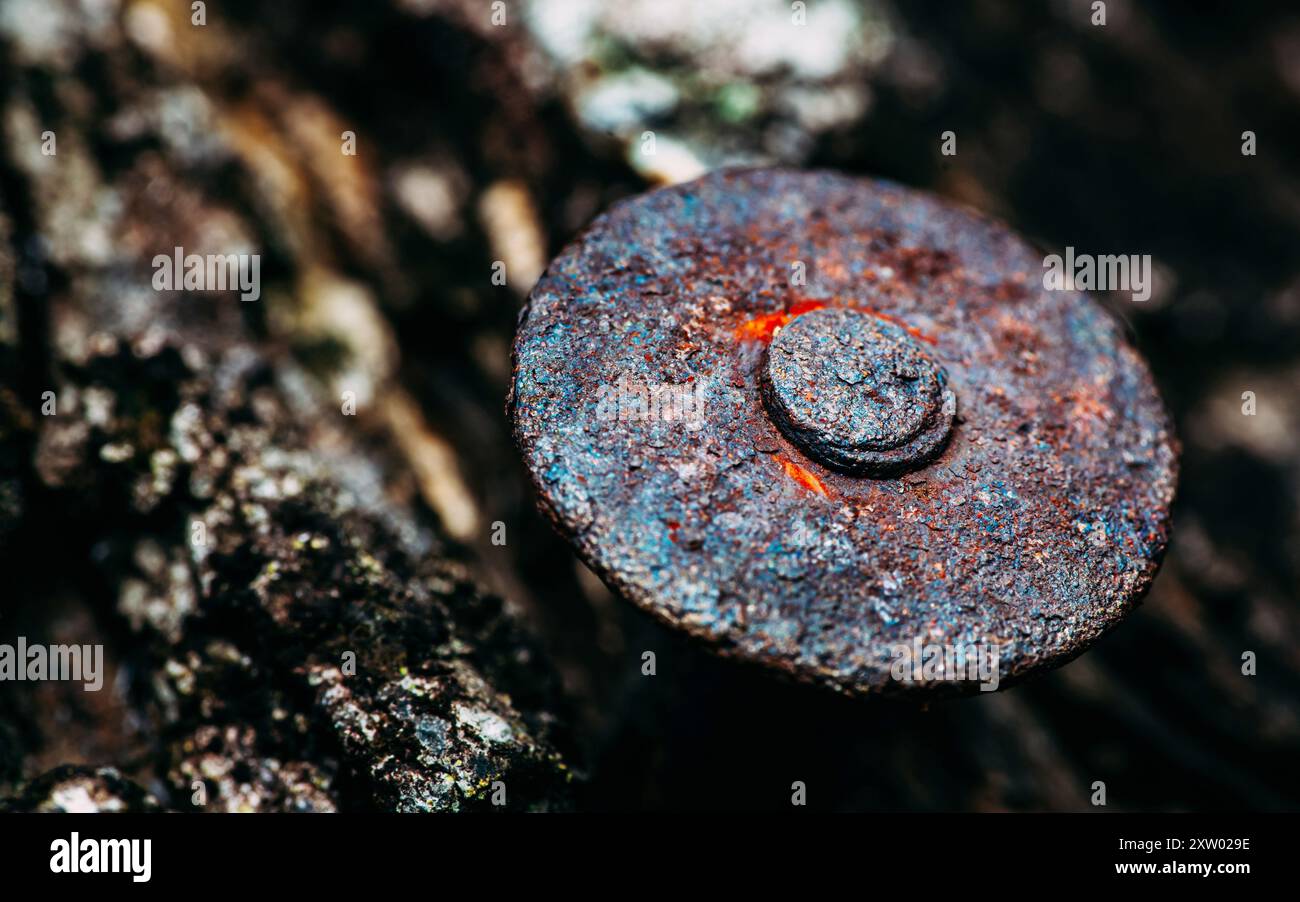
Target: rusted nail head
{"type": "Point", "coordinates": [916, 445]}
{"type": "Point", "coordinates": [855, 393]}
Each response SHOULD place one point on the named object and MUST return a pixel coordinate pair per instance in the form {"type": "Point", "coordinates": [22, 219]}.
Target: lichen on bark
{"type": "Point", "coordinates": [292, 631]}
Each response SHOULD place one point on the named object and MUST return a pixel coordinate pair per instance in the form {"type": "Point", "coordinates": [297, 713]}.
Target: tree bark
{"type": "Point", "coordinates": [289, 627]}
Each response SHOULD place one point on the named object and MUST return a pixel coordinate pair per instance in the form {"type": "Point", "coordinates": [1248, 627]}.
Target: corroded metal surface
{"type": "Point", "coordinates": [854, 392]}
{"type": "Point", "coordinates": [1032, 521]}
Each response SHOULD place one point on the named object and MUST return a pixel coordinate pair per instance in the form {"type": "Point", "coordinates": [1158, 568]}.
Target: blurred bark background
{"type": "Point", "coordinates": [480, 141]}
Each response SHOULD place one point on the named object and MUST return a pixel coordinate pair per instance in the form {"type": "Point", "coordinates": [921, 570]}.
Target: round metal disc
{"type": "Point", "coordinates": [943, 455]}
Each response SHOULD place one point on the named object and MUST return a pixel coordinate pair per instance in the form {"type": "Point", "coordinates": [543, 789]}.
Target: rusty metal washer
{"type": "Point", "coordinates": [833, 425]}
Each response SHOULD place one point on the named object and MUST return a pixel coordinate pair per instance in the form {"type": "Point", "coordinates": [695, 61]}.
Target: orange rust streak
{"type": "Point", "coordinates": [802, 476]}
{"type": "Point", "coordinates": [798, 308]}
{"type": "Point", "coordinates": [762, 328]}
